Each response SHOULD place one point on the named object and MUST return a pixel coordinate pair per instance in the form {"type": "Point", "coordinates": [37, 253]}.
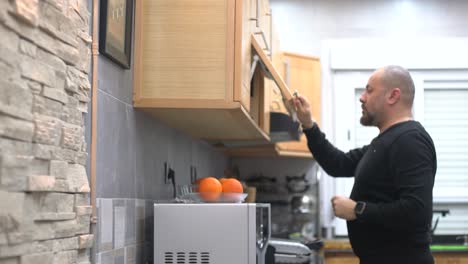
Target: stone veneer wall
{"type": "Point", "coordinates": [44, 91]}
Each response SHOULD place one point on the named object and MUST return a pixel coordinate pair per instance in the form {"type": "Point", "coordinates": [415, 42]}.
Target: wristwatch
{"type": "Point", "coordinates": [359, 208]}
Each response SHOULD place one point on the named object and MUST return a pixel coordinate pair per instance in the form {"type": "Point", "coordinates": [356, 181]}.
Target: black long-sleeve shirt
{"type": "Point", "coordinates": [394, 175]}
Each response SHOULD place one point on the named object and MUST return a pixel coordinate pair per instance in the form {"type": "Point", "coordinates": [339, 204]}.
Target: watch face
{"type": "Point", "coordinates": [359, 209]}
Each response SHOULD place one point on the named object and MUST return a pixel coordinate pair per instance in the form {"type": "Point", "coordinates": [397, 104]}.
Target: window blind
{"type": "Point", "coordinates": [446, 120]}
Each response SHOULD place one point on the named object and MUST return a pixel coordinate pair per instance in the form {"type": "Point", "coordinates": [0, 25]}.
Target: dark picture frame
{"type": "Point", "coordinates": [115, 30]}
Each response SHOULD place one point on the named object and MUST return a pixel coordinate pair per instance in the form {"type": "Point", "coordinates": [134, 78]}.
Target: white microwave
{"type": "Point", "coordinates": [211, 233]}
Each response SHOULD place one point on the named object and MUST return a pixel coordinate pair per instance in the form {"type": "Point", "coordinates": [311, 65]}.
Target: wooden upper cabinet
{"type": "Point", "coordinates": [193, 66]}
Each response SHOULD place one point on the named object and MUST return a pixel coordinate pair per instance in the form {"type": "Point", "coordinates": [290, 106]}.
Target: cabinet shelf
{"type": "Point", "coordinates": [270, 150]}
{"type": "Point", "coordinates": [195, 122]}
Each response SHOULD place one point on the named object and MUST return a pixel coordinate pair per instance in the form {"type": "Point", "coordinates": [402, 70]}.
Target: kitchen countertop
{"type": "Point", "coordinates": [343, 246]}
{"type": "Point", "coordinates": [337, 246]}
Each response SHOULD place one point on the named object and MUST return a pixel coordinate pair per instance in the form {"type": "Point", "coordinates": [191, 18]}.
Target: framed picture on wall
{"type": "Point", "coordinates": [115, 30]}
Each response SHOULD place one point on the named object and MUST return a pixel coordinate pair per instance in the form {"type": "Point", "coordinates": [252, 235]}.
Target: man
{"type": "Point", "coordinates": [389, 212]}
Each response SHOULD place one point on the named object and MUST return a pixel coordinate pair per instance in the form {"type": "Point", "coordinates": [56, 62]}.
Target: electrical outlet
{"type": "Point", "coordinates": [167, 168]}
{"type": "Point", "coordinates": [193, 174]}
{"type": "Point", "coordinates": [169, 177]}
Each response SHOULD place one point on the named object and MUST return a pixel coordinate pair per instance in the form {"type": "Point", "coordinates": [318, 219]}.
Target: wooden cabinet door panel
{"type": "Point", "coordinates": [243, 49]}
{"type": "Point", "coordinates": [168, 67]}
{"type": "Point", "coordinates": [304, 77]}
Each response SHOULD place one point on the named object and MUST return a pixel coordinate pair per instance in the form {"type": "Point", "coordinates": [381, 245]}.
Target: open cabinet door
{"type": "Point", "coordinates": [286, 127]}
{"type": "Point", "coordinates": [270, 70]}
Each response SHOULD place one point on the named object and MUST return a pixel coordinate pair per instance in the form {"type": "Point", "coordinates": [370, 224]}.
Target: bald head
{"type": "Point", "coordinates": [398, 77]}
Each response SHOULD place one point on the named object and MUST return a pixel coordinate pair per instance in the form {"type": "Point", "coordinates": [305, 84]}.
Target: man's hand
{"type": "Point", "coordinates": [344, 207]}
{"type": "Point", "coordinates": [302, 107]}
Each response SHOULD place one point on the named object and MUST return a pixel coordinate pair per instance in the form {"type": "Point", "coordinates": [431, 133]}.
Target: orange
{"type": "Point", "coordinates": [222, 180]}
{"type": "Point", "coordinates": [197, 182]}
{"type": "Point", "coordinates": [232, 185]}
{"type": "Point", "coordinates": [210, 189]}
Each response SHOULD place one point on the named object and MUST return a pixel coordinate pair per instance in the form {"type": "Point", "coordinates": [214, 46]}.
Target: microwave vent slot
{"type": "Point", "coordinates": [205, 258]}
{"type": "Point", "coordinates": [187, 258]}
{"type": "Point", "coordinates": [193, 258]}
{"type": "Point", "coordinates": [168, 258]}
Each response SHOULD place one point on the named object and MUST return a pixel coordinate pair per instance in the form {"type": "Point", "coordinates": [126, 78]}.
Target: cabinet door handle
{"type": "Point", "coordinates": [287, 72]}
{"type": "Point", "coordinates": [262, 33]}
{"type": "Point", "coordinates": [257, 15]}
{"type": "Point", "coordinates": [271, 33]}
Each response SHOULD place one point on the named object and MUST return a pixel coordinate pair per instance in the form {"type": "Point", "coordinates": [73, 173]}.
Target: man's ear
{"type": "Point", "coordinates": [394, 96]}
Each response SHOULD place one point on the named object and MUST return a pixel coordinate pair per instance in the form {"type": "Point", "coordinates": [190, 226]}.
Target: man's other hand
{"type": "Point", "coordinates": [344, 207]}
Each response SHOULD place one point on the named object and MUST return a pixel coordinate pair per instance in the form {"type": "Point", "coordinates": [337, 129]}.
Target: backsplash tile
{"type": "Point", "coordinates": [140, 221]}
{"type": "Point", "coordinates": [130, 254]}
{"type": "Point", "coordinates": [106, 258]}
{"type": "Point", "coordinates": [106, 224]}
{"type": "Point", "coordinates": [130, 221]}
{"type": "Point", "coordinates": [149, 231]}
{"type": "Point", "coordinates": [125, 231]}
{"type": "Point", "coordinates": [119, 223]}
{"type": "Point", "coordinates": [120, 260]}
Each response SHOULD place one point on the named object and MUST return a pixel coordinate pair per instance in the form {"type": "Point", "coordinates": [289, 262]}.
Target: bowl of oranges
{"type": "Point", "coordinates": [213, 190]}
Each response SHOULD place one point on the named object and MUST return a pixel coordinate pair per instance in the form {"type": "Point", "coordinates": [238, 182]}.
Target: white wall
{"type": "Point", "coordinates": [303, 24]}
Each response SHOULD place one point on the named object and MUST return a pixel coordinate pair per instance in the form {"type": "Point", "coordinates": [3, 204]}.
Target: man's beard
{"type": "Point", "coordinates": [367, 119]}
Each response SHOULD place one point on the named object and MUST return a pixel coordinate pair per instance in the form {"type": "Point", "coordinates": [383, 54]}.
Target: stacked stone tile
{"type": "Point", "coordinates": [44, 92]}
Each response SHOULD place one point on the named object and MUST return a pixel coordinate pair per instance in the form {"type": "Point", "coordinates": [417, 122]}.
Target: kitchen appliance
{"type": "Point", "coordinates": [290, 251]}
{"type": "Point", "coordinates": [211, 233]}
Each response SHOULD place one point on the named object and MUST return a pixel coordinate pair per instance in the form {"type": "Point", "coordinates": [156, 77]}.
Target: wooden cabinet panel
{"type": "Point", "coordinates": [450, 258]}
{"type": "Point", "coordinates": [341, 258]}
{"type": "Point", "coordinates": [276, 99]}
{"type": "Point", "coordinates": [194, 56]}
{"type": "Point", "coordinates": [245, 27]}
{"type": "Point", "coordinates": [304, 77]}
{"type": "Point", "coordinates": [339, 252]}
{"type": "Point", "coordinates": [186, 50]}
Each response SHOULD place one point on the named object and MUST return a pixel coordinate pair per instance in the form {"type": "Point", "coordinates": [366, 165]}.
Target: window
{"type": "Point", "coordinates": [446, 120]}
